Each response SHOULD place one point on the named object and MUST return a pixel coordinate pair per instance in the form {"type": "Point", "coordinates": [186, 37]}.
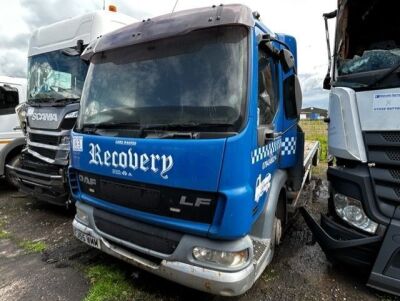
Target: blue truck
{"type": "Point", "coordinates": [187, 159]}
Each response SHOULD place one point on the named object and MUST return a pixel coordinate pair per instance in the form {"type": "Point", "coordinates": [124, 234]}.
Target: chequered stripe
{"type": "Point", "coordinates": [288, 146]}
{"type": "Point", "coordinates": [265, 151]}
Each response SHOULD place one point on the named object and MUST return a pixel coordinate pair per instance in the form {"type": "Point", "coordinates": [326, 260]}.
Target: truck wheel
{"type": "Point", "coordinates": [309, 176]}
{"type": "Point", "coordinates": [316, 158]}
{"type": "Point", "coordinates": [277, 233]}
{"type": "Point", "coordinates": [13, 181]}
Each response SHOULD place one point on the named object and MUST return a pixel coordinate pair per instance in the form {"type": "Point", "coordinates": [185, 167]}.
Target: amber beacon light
{"type": "Point", "coordinates": [112, 8]}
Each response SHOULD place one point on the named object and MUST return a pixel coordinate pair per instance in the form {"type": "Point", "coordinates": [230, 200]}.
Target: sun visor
{"type": "Point", "coordinates": [173, 24]}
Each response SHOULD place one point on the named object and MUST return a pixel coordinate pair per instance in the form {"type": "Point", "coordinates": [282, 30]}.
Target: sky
{"type": "Point", "coordinates": [299, 18]}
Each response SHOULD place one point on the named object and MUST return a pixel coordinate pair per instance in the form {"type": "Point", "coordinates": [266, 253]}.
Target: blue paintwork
{"type": "Point", "coordinates": [231, 166]}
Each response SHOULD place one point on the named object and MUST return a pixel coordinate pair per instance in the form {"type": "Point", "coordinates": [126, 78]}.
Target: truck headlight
{"type": "Point", "coordinates": [21, 113]}
{"type": "Point", "coordinates": [82, 216]}
{"type": "Point", "coordinates": [222, 258]}
{"type": "Point", "coordinates": [352, 211]}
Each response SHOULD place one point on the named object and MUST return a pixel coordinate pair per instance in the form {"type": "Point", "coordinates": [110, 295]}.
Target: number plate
{"type": "Point", "coordinates": [87, 239]}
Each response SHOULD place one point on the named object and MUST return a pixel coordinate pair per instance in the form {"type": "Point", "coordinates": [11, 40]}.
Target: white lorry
{"type": "Point", "coordinates": [56, 75]}
{"type": "Point", "coordinates": [12, 93]}
{"type": "Point", "coordinates": [362, 226]}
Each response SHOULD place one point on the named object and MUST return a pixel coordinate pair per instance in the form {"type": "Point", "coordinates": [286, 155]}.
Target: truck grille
{"type": "Point", "coordinates": [383, 149]}
{"type": "Point", "coordinates": [395, 173]}
{"type": "Point", "coordinates": [31, 163]}
{"type": "Point", "coordinates": [44, 139]}
{"type": "Point", "coordinates": [154, 199]}
{"type": "Point", "coordinates": [140, 234]}
{"type": "Point", "coordinates": [393, 155]}
{"type": "Point", "coordinates": [391, 137]}
{"type": "Point", "coordinates": [48, 153]}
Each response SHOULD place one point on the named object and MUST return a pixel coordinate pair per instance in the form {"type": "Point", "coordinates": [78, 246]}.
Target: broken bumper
{"type": "Point", "coordinates": [376, 254]}
{"type": "Point", "coordinates": [44, 187]}
{"type": "Point", "coordinates": [177, 266]}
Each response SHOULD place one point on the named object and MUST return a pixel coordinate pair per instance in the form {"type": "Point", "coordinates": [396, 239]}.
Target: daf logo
{"type": "Point", "coordinates": [87, 180]}
{"type": "Point", "coordinates": [196, 203]}
{"type": "Point", "coordinates": [44, 116]}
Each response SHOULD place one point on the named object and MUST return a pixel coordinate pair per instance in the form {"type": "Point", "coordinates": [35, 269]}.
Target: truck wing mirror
{"type": "Point", "coordinates": [327, 80]}
{"type": "Point", "coordinates": [298, 94]}
{"type": "Point", "coordinates": [74, 51]}
{"type": "Point", "coordinates": [89, 51]}
{"type": "Point", "coordinates": [285, 56]}
{"type": "Point", "coordinates": [262, 63]}
{"type": "Point", "coordinates": [287, 59]}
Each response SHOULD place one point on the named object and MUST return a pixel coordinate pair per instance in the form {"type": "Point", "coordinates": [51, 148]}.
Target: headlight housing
{"type": "Point", "coordinates": [352, 211]}
{"type": "Point", "coordinates": [221, 258]}
{"type": "Point", "coordinates": [21, 111]}
{"type": "Point", "coordinates": [82, 216]}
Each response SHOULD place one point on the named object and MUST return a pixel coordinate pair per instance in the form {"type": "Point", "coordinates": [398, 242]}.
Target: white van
{"type": "Point", "coordinates": [12, 140]}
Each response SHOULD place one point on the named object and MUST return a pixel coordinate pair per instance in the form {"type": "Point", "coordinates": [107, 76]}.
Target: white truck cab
{"type": "Point", "coordinates": [12, 93]}
{"type": "Point", "coordinates": [56, 75]}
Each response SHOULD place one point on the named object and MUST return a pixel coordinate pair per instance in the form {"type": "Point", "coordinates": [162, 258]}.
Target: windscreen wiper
{"type": "Point", "coordinates": [38, 101]}
{"type": "Point", "coordinates": [94, 127]}
{"type": "Point", "coordinates": [185, 126]}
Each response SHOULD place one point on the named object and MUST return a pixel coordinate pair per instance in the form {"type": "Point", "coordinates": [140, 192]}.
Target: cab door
{"type": "Point", "coordinates": [266, 154]}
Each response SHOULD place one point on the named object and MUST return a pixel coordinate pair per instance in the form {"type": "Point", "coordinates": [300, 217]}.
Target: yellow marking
{"type": "Point", "coordinates": [5, 141]}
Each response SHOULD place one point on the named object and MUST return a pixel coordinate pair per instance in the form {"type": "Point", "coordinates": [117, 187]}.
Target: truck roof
{"type": "Point", "coordinates": [67, 32]}
{"type": "Point", "coordinates": [173, 24]}
{"type": "Point", "coordinates": [12, 80]}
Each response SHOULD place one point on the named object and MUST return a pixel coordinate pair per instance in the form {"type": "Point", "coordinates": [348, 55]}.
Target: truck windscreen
{"type": "Point", "coordinates": [194, 80]}
{"type": "Point", "coordinates": [55, 76]}
{"type": "Point", "coordinates": [367, 43]}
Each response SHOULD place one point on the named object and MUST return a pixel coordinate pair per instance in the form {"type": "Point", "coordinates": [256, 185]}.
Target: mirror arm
{"type": "Point", "coordinates": [327, 80]}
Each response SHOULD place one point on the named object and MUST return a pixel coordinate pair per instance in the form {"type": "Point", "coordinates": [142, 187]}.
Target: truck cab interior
{"type": "Point", "coordinates": [367, 41]}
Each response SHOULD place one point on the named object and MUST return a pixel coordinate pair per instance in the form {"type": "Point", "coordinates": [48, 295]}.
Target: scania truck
{"type": "Point", "coordinates": [187, 159]}
{"type": "Point", "coordinates": [362, 226]}
{"type": "Point", "coordinates": [56, 75]}
{"type": "Point", "coordinates": [12, 94]}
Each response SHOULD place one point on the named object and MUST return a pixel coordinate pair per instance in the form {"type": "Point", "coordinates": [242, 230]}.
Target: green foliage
{"type": "Point", "coordinates": [108, 284]}
{"type": "Point", "coordinates": [32, 246]}
{"type": "Point", "coordinates": [316, 130]}
{"type": "Point", "coordinates": [4, 234]}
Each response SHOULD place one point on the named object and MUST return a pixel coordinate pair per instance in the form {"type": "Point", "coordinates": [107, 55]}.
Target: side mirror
{"type": "Point", "coordinates": [89, 52]}
{"type": "Point", "coordinates": [287, 59]}
{"type": "Point", "coordinates": [74, 52]}
{"type": "Point", "coordinates": [298, 94]}
{"type": "Point", "coordinates": [262, 63]}
{"type": "Point", "coordinates": [327, 82]}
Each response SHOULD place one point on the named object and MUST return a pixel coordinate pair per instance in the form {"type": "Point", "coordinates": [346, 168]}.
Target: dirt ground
{"type": "Point", "coordinates": [299, 270]}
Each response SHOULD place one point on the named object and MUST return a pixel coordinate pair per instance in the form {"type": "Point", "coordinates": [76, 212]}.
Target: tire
{"type": "Point", "coordinates": [11, 180]}
{"type": "Point", "coordinates": [309, 176]}
{"type": "Point", "coordinates": [276, 234]}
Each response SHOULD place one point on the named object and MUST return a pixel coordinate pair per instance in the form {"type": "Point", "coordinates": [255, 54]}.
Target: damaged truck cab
{"type": "Point", "coordinates": [56, 74]}
{"type": "Point", "coordinates": [362, 227]}
{"type": "Point", "coordinates": [187, 157]}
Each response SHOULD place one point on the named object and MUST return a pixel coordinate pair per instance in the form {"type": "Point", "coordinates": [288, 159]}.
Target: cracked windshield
{"type": "Point", "coordinates": [55, 76]}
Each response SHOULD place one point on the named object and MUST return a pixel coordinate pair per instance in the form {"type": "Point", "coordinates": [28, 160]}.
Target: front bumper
{"type": "Point", "coordinates": [343, 244]}
{"type": "Point", "coordinates": [44, 187]}
{"type": "Point", "coordinates": [378, 255]}
{"type": "Point", "coordinates": [178, 266]}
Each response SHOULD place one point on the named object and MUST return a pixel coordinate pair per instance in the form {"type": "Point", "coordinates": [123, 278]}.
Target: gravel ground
{"type": "Point", "coordinates": [299, 270]}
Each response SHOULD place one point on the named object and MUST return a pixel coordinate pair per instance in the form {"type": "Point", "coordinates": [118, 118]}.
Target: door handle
{"type": "Point", "coordinates": [271, 135]}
